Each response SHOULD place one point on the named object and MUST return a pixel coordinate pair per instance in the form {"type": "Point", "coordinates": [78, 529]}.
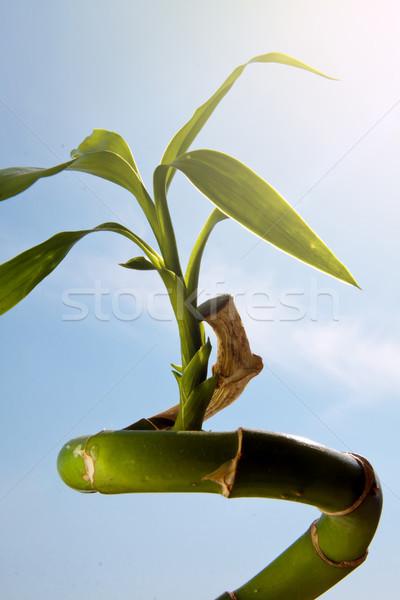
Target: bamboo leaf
{"type": "Point", "coordinates": [183, 139]}
{"type": "Point", "coordinates": [101, 139]}
{"type": "Point", "coordinates": [140, 263]}
{"type": "Point", "coordinates": [109, 165]}
{"type": "Point", "coordinates": [107, 155]}
{"type": "Point", "coordinates": [103, 154]}
{"type": "Point", "coordinates": [21, 274]}
{"type": "Point", "coordinates": [195, 390]}
{"type": "Point", "coordinates": [196, 370]}
{"type": "Point", "coordinates": [191, 414]}
{"type": "Point", "coordinates": [178, 377]}
{"type": "Point", "coordinates": [193, 268]}
{"type": "Point", "coordinates": [15, 180]}
{"type": "Point", "coordinates": [241, 194]}
{"type": "Point", "coordinates": [102, 163]}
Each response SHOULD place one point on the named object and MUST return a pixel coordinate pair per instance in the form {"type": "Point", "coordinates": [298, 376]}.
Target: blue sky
{"type": "Point", "coordinates": [331, 352]}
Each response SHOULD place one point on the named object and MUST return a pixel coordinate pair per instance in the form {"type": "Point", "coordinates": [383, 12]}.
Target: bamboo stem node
{"type": "Point", "coordinates": [225, 475]}
{"type": "Point", "coordinates": [343, 564]}
{"type": "Point", "coordinates": [369, 486]}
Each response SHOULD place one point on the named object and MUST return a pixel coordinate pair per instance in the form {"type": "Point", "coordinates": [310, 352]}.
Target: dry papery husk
{"type": "Point", "coordinates": [236, 364]}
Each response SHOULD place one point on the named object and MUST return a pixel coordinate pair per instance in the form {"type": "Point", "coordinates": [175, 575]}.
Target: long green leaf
{"type": "Point", "coordinates": [21, 274]}
{"type": "Point", "coordinates": [102, 163]}
{"type": "Point", "coordinates": [186, 135]}
{"type": "Point", "coordinates": [103, 154]}
{"type": "Point", "coordinates": [241, 194]}
{"type": "Point", "coordinates": [15, 180]}
{"type": "Point", "coordinates": [193, 268]}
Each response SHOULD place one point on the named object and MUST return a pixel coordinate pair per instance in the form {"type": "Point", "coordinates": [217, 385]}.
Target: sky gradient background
{"type": "Point", "coordinates": [331, 352]}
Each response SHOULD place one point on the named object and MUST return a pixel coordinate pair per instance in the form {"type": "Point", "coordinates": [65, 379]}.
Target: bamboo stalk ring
{"type": "Point", "coordinates": [370, 484]}
{"type": "Point", "coordinates": [343, 564]}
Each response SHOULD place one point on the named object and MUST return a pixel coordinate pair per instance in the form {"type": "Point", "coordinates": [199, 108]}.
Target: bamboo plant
{"type": "Point", "coordinates": [170, 452]}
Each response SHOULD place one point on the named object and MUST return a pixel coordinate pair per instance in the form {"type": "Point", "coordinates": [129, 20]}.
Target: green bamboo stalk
{"type": "Point", "coordinates": [241, 464]}
{"type": "Point", "coordinates": [168, 246]}
{"type": "Point", "coordinates": [190, 329]}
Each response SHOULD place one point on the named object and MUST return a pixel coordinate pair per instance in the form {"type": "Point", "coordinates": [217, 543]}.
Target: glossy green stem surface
{"type": "Point", "coordinates": [237, 464]}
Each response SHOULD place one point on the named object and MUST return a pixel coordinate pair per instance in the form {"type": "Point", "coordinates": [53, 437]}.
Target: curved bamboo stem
{"type": "Point", "coordinates": [246, 463]}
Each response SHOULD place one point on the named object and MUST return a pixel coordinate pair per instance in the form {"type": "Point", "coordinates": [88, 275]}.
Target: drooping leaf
{"type": "Point", "coordinates": [15, 180]}
{"type": "Point", "coordinates": [106, 154]}
{"type": "Point", "coordinates": [244, 196]}
{"type": "Point", "coordinates": [97, 155]}
{"type": "Point", "coordinates": [21, 274]}
{"type": "Point", "coordinates": [101, 139]}
{"type": "Point", "coordinates": [140, 263]}
{"type": "Point", "coordinates": [102, 163]}
{"type": "Point", "coordinates": [114, 168]}
{"type": "Point", "coordinates": [187, 134]}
